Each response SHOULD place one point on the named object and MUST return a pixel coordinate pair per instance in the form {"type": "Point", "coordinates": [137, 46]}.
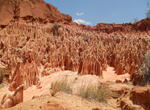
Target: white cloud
{"type": "Point", "coordinates": [80, 13]}
{"type": "Point", "coordinates": [81, 21]}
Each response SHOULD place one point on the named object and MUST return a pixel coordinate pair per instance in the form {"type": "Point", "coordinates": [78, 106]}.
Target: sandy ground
{"type": "Point", "coordinates": [75, 81]}
{"type": "Point", "coordinates": [110, 76]}
{"type": "Point", "coordinates": [65, 101]}
{"type": "Point", "coordinates": [61, 101]}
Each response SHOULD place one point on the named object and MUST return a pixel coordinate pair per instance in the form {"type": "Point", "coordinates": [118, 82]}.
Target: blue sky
{"type": "Point", "coordinates": [91, 12]}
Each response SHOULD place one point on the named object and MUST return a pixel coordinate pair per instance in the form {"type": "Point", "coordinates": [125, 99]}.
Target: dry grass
{"type": "Point", "coordinates": [100, 93]}
{"type": "Point", "coordinates": [58, 86]}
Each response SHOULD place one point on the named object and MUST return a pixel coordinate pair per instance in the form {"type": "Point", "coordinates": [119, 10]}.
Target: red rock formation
{"type": "Point", "coordinates": [136, 78]}
{"type": "Point", "coordinates": [90, 66]}
{"type": "Point", "coordinates": [25, 73]}
{"type": "Point", "coordinates": [109, 28]}
{"type": "Point", "coordinates": [30, 10]}
{"type": "Point", "coordinates": [141, 96]}
{"type": "Point", "coordinates": [10, 100]}
{"type": "Point", "coordinates": [69, 51]}
{"type": "Point", "coordinates": [97, 109]}
{"type": "Point", "coordinates": [68, 64]}
{"type": "Point", "coordinates": [143, 25]}
{"type": "Point", "coordinates": [16, 78]}
{"type": "Point", "coordinates": [116, 45]}
{"type": "Point", "coordinates": [126, 104]}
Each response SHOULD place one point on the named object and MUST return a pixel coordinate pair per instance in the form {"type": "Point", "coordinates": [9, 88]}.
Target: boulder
{"type": "Point", "coordinates": [16, 97]}
{"type": "Point", "coordinates": [136, 78]}
{"type": "Point", "coordinates": [141, 96]}
{"type": "Point", "coordinates": [126, 104]}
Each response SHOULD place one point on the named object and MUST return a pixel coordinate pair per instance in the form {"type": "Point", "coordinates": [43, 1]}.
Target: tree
{"type": "Point", "coordinates": [148, 14]}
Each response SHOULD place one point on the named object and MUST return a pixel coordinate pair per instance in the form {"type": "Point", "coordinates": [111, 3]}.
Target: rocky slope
{"type": "Point", "coordinates": [30, 10]}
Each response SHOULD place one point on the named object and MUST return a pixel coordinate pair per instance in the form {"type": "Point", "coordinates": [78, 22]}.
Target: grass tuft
{"type": "Point", "coordinates": [145, 70]}
{"type": "Point", "coordinates": [100, 93]}
{"type": "Point", "coordinates": [61, 85]}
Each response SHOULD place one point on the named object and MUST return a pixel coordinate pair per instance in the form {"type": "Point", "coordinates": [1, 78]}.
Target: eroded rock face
{"type": "Point", "coordinates": [141, 96]}
{"type": "Point", "coordinates": [136, 78]}
{"type": "Point", "coordinates": [143, 25]}
{"type": "Point", "coordinates": [10, 100]}
{"type": "Point", "coordinates": [70, 51]}
{"type": "Point", "coordinates": [126, 104]}
{"type": "Point", "coordinates": [16, 78]}
{"type": "Point", "coordinates": [109, 28]}
{"type": "Point", "coordinates": [25, 73]}
{"type": "Point", "coordinates": [30, 9]}
{"type": "Point", "coordinates": [90, 66]}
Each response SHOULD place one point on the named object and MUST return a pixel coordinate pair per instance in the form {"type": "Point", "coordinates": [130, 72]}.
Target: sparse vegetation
{"type": "Point", "coordinates": [100, 93]}
{"type": "Point", "coordinates": [85, 38]}
{"type": "Point", "coordinates": [58, 86]}
{"type": "Point", "coordinates": [55, 29]}
{"type": "Point", "coordinates": [145, 69]}
{"type": "Point", "coordinates": [148, 14]}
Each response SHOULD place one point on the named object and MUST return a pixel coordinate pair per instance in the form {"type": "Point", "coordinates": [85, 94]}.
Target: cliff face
{"type": "Point", "coordinates": [30, 9]}
{"type": "Point", "coordinates": [143, 25]}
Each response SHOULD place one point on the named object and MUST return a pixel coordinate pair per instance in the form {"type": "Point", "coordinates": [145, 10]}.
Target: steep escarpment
{"type": "Point", "coordinates": [30, 10]}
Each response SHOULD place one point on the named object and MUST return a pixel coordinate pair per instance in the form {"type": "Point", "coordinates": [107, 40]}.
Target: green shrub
{"type": "Point", "coordinates": [85, 38]}
{"type": "Point", "coordinates": [145, 69]}
{"type": "Point", "coordinates": [148, 14]}
{"type": "Point", "coordinates": [55, 29]}
{"type": "Point", "coordinates": [60, 86]}
{"type": "Point", "coordinates": [56, 26]}
{"type": "Point", "coordinates": [100, 93]}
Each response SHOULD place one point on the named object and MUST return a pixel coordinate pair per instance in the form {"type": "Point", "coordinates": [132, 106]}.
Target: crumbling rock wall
{"type": "Point", "coordinates": [90, 66]}
{"type": "Point", "coordinates": [26, 72]}
{"type": "Point", "coordinates": [35, 44]}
